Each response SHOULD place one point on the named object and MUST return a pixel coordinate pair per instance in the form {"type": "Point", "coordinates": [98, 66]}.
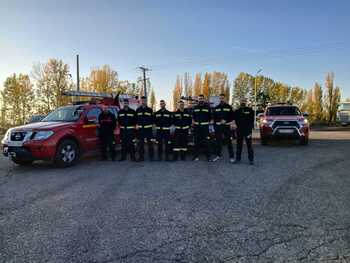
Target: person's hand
{"type": "Point", "coordinates": [233, 126]}
{"type": "Point", "coordinates": [137, 127]}
{"type": "Point", "coordinates": [223, 122]}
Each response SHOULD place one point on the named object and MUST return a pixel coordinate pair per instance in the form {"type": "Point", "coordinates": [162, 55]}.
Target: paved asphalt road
{"type": "Point", "coordinates": [292, 206]}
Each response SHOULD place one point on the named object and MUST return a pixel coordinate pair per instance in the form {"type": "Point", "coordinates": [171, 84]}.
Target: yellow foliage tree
{"type": "Point", "coordinates": [197, 86]}
{"type": "Point", "coordinates": [206, 85]}
{"type": "Point", "coordinates": [103, 79]}
{"type": "Point", "coordinates": [177, 92]}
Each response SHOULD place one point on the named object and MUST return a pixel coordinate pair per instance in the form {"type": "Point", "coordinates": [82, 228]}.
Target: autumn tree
{"type": "Point", "coordinates": [103, 79]}
{"type": "Point", "coordinates": [206, 85]}
{"type": "Point", "coordinates": [18, 96]}
{"type": "Point", "coordinates": [152, 100]}
{"type": "Point", "coordinates": [187, 85]}
{"type": "Point", "coordinates": [318, 102]}
{"type": "Point", "coordinates": [197, 86]}
{"type": "Point", "coordinates": [242, 85]}
{"type": "Point", "coordinates": [52, 79]}
{"type": "Point", "coordinates": [332, 98]}
{"type": "Point", "coordinates": [177, 92]}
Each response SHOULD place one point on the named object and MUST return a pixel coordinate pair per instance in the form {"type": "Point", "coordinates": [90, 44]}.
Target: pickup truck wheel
{"type": "Point", "coordinates": [21, 162]}
{"type": "Point", "coordinates": [67, 153]}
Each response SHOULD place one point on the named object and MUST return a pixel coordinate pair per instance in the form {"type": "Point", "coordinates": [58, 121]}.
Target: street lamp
{"type": "Point", "coordinates": [255, 103]}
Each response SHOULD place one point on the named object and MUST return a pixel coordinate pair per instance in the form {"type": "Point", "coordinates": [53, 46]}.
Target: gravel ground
{"type": "Point", "coordinates": [293, 205]}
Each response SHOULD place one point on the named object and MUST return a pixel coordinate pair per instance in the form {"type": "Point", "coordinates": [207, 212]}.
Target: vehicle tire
{"type": "Point", "coordinates": [304, 141]}
{"type": "Point", "coordinates": [67, 153]}
{"type": "Point", "coordinates": [263, 141]}
{"type": "Point", "coordinates": [21, 162]}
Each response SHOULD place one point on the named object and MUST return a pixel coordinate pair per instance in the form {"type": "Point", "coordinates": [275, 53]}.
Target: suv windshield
{"type": "Point", "coordinates": [344, 106]}
{"type": "Point", "coordinates": [69, 114]}
{"type": "Point", "coordinates": [275, 111]}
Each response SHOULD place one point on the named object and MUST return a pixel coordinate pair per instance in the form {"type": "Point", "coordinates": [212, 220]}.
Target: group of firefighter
{"type": "Point", "coordinates": [139, 126]}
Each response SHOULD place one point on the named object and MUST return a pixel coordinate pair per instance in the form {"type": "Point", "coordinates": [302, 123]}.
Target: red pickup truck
{"type": "Point", "coordinates": [62, 136]}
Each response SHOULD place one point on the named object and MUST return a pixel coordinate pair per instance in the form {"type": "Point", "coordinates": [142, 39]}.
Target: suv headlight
{"type": "Point", "coordinates": [42, 135]}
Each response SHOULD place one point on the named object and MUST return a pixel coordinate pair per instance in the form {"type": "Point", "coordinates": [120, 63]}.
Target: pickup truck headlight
{"type": "Point", "coordinates": [6, 137]}
{"type": "Point", "coordinates": [42, 135]}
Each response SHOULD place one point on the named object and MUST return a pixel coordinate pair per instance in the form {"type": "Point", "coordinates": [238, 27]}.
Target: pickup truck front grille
{"type": "Point", "coordinates": [285, 124]}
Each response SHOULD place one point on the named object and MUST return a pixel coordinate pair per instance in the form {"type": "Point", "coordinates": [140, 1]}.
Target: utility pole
{"type": "Point", "coordinates": [144, 80]}
{"type": "Point", "coordinates": [78, 78]}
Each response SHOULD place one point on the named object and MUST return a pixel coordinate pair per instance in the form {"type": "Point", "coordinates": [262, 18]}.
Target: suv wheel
{"type": "Point", "coordinates": [21, 162]}
{"type": "Point", "coordinates": [67, 153]}
{"type": "Point", "coordinates": [304, 141]}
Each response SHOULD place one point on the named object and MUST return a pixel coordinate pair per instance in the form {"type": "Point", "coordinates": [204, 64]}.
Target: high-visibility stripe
{"type": "Point", "coordinates": [196, 110]}
{"type": "Point", "coordinates": [177, 115]}
{"type": "Point", "coordinates": [226, 109]}
{"type": "Point", "coordinates": [184, 127]}
{"type": "Point", "coordinates": [89, 125]}
{"type": "Point", "coordinates": [147, 126]}
{"type": "Point", "coordinates": [163, 128]}
{"type": "Point", "coordinates": [140, 113]}
{"type": "Point", "coordinates": [130, 115]}
{"type": "Point", "coordinates": [127, 127]}
{"type": "Point", "coordinates": [203, 123]}
{"type": "Point", "coordinates": [218, 110]}
{"type": "Point", "coordinates": [166, 115]}
{"type": "Point", "coordinates": [121, 114]}
{"type": "Point", "coordinates": [148, 114]}
{"type": "Point", "coordinates": [205, 110]}
{"type": "Point", "coordinates": [158, 115]}
{"type": "Point", "coordinates": [184, 149]}
{"type": "Point", "coordinates": [176, 149]}
{"type": "Point", "coordinates": [186, 115]}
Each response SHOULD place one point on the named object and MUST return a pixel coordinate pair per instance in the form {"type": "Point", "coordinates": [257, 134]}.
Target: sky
{"type": "Point", "coordinates": [296, 42]}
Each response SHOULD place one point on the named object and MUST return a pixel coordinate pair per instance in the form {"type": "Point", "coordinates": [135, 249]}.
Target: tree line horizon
{"type": "Point", "coordinates": [39, 92]}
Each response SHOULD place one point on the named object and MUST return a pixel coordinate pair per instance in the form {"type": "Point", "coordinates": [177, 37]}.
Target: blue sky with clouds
{"type": "Point", "coordinates": [295, 41]}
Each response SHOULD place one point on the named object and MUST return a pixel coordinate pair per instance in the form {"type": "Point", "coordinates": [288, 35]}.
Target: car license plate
{"type": "Point", "coordinates": [14, 144]}
{"type": "Point", "coordinates": [286, 131]}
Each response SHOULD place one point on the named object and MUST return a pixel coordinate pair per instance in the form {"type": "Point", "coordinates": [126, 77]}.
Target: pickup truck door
{"type": "Point", "coordinates": [90, 129]}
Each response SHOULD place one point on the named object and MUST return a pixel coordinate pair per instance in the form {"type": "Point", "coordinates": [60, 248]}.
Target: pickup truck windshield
{"type": "Point", "coordinates": [65, 114]}
{"type": "Point", "coordinates": [285, 111]}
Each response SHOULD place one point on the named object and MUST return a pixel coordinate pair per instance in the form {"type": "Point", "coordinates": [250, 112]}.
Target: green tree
{"type": "Point", "coordinates": [242, 86]}
{"type": "Point", "coordinates": [318, 102]}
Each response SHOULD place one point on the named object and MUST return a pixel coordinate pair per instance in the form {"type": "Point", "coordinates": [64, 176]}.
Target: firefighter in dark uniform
{"type": "Point", "coordinates": [223, 117]}
{"type": "Point", "coordinates": [201, 118]}
{"type": "Point", "coordinates": [107, 124]}
{"type": "Point", "coordinates": [182, 120]}
{"type": "Point", "coordinates": [244, 118]}
{"type": "Point", "coordinates": [127, 122]}
{"type": "Point", "coordinates": [145, 129]}
{"type": "Point", "coordinates": [163, 121]}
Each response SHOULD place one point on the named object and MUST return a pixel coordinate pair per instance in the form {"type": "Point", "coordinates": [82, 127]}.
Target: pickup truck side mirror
{"type": "Point", "coordinates": [306, 114]}
{"type": "Point", "coordinates": [260, 115]}
{"type": "Point", "coordinates": [91, 120]}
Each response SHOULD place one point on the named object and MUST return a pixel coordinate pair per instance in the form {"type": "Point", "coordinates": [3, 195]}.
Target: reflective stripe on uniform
{"type": "Point", "coordinates": [203, 123]}
{"type": "Point", "coordinates": [186, 115]}
{"type": "Point", "coordinates": [140, 113]}
{"type": "Point", "coordinates": [166, 115]}
{"type": "Point", "coordinates": [226, 109]}
{"type": "Point", "coordinates": [185, 127]}
{"type": "Point", "coordinates": [163, 128]}
{"type": "Point", "coordinates": [121, 114]}
{"type": "Point", "coordinates": [147, 126]}
{"type": "Point", "coordinates": [127, 127]}
{"type": "Point", "coordinates": [130, 115]}
{"type": "Point", "coordinates": [205, 110]}
{"type": "Point", "coordinates": [176, 149]}
{"type": "Point", "coordinates": [148, 114]}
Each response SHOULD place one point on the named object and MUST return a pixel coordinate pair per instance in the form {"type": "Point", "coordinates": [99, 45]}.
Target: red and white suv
{"type": "Point", "coordinates": [283, 121]}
